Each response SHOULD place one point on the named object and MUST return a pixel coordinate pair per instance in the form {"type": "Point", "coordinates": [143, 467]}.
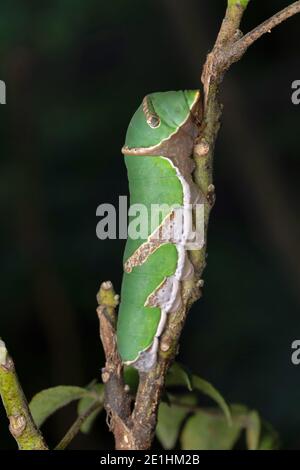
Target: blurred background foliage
{"type": "Point", "coordinates": [75, 72]}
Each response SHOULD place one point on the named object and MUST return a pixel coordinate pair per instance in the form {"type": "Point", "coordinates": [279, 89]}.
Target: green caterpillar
{"type": "Point", "coordinates": [158, 149]}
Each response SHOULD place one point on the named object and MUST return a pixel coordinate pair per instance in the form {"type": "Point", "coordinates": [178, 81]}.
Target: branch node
{"type": "Point", "coordinates": [165, 346]}
{"type": "Point", "coordinates": [211, 194]}
{"type": "Point", "coordinates": [201, 149]}
{"type": "Point", "coordinates": [105, 376]}
{"type": "Point", "coordinates": [3, 354]}
{"type": "Point", "coordinates": [17, 425]}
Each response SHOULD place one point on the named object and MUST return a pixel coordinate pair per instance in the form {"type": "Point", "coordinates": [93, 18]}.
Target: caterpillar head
{"type": "Point", "coordinates": [159, 117]}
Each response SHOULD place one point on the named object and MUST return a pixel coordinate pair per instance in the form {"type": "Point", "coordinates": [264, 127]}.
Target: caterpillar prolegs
{"type": "Point", "coordinates": [158, 149]}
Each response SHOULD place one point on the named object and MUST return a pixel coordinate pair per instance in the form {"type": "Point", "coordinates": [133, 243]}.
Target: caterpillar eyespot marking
{"type": "Point", "coordinates": [153, 120]}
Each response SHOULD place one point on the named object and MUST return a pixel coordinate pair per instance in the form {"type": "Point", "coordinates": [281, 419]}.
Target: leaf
{"type": "Point", "coordinates": [243, 418]}
{"type": "Point", "coordinates": [250, 421]}
{"type": "Point", "coordinates": [269, 438]}
{"type": "Point", "coordinates": [253, 430]}
{"type": "Point", "coordinates": [209, 390]}
{"type": "Point", "coordinates": [260, 435]}
{"type": "Point", "coordinates": [209, 431]}
{"type": "Point", "coordinates": [170, 419]}
{"type": "Point", "coordinates": [86, 402]}
{"type": "Point", "coordinates": [178, 375]}
{"type": "Point", "coordinates": [46, 402]}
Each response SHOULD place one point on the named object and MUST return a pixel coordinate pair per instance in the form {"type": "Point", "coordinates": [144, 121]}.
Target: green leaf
{"type": "Point", "coordinates": [209, 431]}
{"type": "Point", "coordinates": [86, 402]}
{"type": "Point", "coordinates": [250, 421]}
{"type": "Point", "coordinates": [170, 419]}
{"type": "Point", "coordinates": [253, 430]}
{"type": "Point", "coordinates": [208, 389]}
{"type": "Point", "coordinates": [179, 376]}
{"type": "Point", "coordinates": [259, 434]}
{"type": "Point", "coordinates": [46, 402]}
{"type": "Point", "coordinates": [269, 438]}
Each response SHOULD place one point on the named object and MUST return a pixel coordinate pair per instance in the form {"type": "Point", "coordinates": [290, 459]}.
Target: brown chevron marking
{"type": "Point", "coordinates": [155, 240]}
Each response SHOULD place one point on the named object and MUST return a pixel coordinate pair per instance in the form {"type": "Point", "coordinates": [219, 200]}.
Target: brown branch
{"type": "Point", "coordinates": [231, 45]}
{"type": "Point", "coordinates": [151, 385]}
{"type": "Point", "coordinates": [135, 430]}
{"type": "Point", "coordinates": [117, 401]}
{"type": "Point", "coordinates": [241, 46]}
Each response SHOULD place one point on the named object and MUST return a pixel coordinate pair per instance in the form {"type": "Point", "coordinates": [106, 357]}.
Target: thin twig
{"type": "Point", "coordinates": [21, 424]}
{"type": "Point", "coordinates": [231, 45]}
{"type": "Point", "coordinates": [117, 400]}
{"type": "Point", "coordinates": [241, 46]}
{"type": "Point", "coordinates": [75, 428]}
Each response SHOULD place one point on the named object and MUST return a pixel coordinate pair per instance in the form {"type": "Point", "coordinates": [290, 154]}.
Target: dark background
{"type": "Point", "coordinates": [75, 72]}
